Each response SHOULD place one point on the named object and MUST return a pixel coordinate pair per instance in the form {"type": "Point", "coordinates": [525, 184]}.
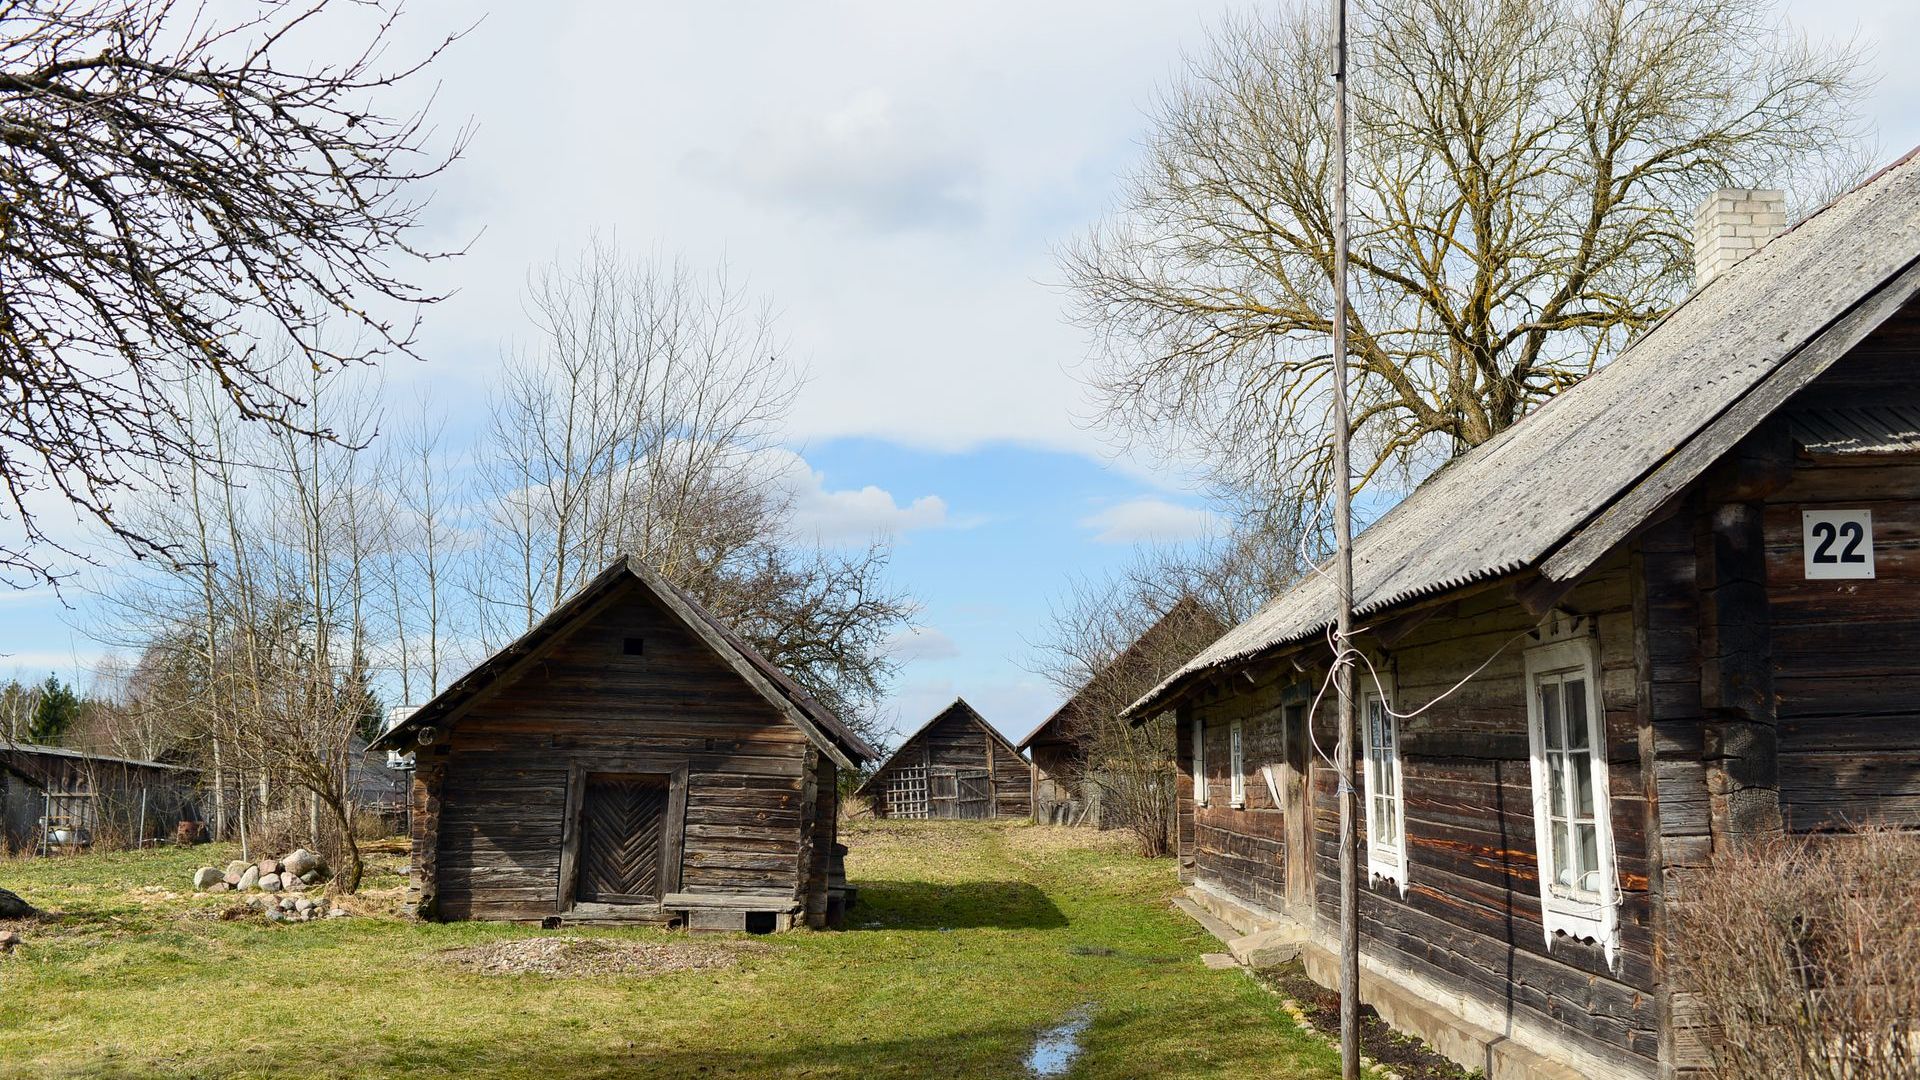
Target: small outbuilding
{"type": "Point", "coordinates": [1069, 785]}
{"type": "Point", "coordinates": [56, 798]}
{"type": "Point", "coordinates": [955, 766]}
{"type": "Point", "coordinates": [629, 759]}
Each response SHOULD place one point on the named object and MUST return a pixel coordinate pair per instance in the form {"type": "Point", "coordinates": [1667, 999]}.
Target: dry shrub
{"type": "Point", "coordinates": [1804, 954]}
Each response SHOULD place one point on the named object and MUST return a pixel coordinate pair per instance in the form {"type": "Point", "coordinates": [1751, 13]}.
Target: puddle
{"type": "Point", "coordinates": [1053, 1052]}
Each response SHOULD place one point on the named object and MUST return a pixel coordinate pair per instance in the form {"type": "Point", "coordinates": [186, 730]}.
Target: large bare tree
{"type": "Point", "coordinates": [1524, 174]}
{"type": "Point", "coordinates": [644, 421]}
{"type": "Point", "coordinates": [171, 183]}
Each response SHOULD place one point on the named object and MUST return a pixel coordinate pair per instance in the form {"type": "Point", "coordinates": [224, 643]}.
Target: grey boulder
{"type": "Point", "coordinates": [205, 877]}
{"type": "Point", "coordinates": [236, 868]}
{"type": "Point", "coordinates": [301, 862]}
{"type": "Point", "coordinates": [249, 878]}
{"type": "Point", "coordinates": [270, 882]}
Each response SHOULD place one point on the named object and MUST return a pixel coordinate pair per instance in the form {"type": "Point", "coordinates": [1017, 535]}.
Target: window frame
{"type": "Point", "coordinates": [1568, 647]}
{"type": "Point", "coordinates": [1199, 761]}
{"type": "Point", "coordinates": [1237, 763]}
{"type": "Point", "coordinates": [1391, 863]}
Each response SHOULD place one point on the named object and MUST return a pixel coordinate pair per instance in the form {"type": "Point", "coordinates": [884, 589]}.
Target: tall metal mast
{"type": "Point", "coordinates": [1342, 485]}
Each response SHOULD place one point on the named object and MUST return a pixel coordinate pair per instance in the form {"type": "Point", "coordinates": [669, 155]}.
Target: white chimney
{"type": "Point", "coordinates": [1732, 224]}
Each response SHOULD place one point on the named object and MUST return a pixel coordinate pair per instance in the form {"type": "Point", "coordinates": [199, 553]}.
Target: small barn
{"type": "Point", "coordinates": [1067, 784]}
{"type": "Point", "coordinates": [1672, 611]}
{"type": "Point", "coordinates": [629, 759]}
{"type": "Point", "coordinates": [955, 766]}
{"type": "Point", "coordinates": [56, 798]}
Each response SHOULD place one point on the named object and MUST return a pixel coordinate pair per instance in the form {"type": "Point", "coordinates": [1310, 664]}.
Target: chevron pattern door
{"type": "Point", "coordinates": [621, 819]}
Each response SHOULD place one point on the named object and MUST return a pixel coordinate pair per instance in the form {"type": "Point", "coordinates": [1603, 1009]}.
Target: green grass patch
{"type": "Point", "coordinates": [969, 941]}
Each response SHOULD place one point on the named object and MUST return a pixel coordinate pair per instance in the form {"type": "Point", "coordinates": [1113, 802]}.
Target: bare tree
{"type": "Point", "coordinates": [642, 425]}
{"type": "Point", "coordinates": [268, 623]}
{"type": "Point", "coordinates": [1109, 640]}
{"type": "Point", "coordinates": [169, 183]}
{"type": "Point", "coordinates": [420, 503]}
{"type": "Point", "coordinates": [1523, 172]}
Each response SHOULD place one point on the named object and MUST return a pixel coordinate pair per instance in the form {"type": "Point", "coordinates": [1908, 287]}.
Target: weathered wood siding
{"type": "Point", "coordinates": [494, 827]}
{"type": "Point", "coordinates": [1846, 654]}
{"type": "Point", "coordinates": [1470, 917]}
{"type": "Point", "coordinates": [956, 740]}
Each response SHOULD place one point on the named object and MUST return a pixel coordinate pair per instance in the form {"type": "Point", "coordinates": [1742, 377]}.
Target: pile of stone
{"type": "Point", "coordinates": [300, 869]}
{"type": "Point", "coordinates": [294, 908]}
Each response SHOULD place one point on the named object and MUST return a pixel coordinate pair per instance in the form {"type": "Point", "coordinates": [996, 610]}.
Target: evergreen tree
{"type": "Point", "coordinates": [55, 712]}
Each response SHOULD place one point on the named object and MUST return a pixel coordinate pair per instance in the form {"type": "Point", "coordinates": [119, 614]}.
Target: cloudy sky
{"type": "Point", "coordinates": [894, 178]}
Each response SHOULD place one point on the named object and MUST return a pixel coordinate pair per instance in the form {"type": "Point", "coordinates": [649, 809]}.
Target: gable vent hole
{"type": "Point", "coordinates": [634, 646]}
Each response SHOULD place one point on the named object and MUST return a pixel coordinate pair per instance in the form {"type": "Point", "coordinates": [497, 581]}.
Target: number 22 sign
{"type": "Point", "coordinates": [1838, 543]}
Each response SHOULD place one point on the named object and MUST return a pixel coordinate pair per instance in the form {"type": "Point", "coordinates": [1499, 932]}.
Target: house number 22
{"type": "Point", "coordinates": [1838, 543]}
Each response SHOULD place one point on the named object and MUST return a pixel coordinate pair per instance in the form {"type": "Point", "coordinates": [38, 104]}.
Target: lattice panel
{"type": "Point", "coordinates": [907, 792]}
{"type": "Point", "coordinates": [621, 819]}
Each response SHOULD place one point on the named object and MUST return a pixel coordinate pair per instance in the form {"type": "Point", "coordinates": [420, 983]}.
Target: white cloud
{"type": "Point", "coordinates": [922, 643]}
{"type": "Point", "coordinates": [1149, 519]}
{"type": "Point", "coordinates": [848, 515]}
{"type": "Point", "coordinates": [861, 162]}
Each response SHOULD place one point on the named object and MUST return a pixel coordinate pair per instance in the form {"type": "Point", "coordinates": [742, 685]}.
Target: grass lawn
{"type": "Point", "coordinates": [969, 941]}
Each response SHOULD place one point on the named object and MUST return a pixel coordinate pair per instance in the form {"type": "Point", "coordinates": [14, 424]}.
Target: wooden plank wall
{"type": "Point", "coordinates": [1470, 919]}
{"type": "Point", "coordinates": [1846, 654]}
{"type": "Point", "coordinates": [955, 740]}
{"type": "Point", "coordinates": [503, 795]}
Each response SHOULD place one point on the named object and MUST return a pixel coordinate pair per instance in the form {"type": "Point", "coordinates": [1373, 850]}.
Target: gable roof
{"type": "Point", "coordinates": [1186, 609]}
{"type": "Point", "coordinates": [803, 710]}
{"type": "Point", "coordinates": [960, 708]}
{"type": "Point", "coordinates": [1563, 487]}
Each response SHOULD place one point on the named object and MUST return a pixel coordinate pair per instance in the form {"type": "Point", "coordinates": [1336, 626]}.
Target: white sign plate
{"type": "Point", "coordinates": [1837, 543]}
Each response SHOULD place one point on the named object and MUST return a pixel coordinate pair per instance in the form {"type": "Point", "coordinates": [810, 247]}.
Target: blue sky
{"type": "Point", "coordinates": [894, 178]}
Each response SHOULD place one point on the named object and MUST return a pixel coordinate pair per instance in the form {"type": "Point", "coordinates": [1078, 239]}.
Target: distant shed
{"type": "Point", "coordinates": [955, 766]}
{"type": "Point", "coordinates": [88, 798]}
{"type": "Point", "coordinates": [629, 759]}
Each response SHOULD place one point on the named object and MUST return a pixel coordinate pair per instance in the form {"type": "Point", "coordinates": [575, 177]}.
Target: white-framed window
{"type": "Point", "coordinates": [1237, 783]}
{"type": "Point", "coordinates": [1386, 802]}
{"type": "Point", "coordinates": [1199, 762]}
{"type": "Point", "coordinates": [1573, 835]}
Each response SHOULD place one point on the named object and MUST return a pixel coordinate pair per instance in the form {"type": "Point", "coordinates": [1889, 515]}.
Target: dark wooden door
{"type": "Point", "coordinates": [974, 794]}
{"type": "Point", "coordinates": [622, 819]}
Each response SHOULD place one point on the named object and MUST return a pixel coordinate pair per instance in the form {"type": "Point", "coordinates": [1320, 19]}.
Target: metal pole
{"type": "Point", "coordinates": [1343, 542]}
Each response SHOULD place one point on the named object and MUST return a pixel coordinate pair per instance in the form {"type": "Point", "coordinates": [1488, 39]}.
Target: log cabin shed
{"type": "Point", "coordinates": [1063, 791]}
{"type": "Point", "coordinates": [955, 766]}
{"type": "Point", "coordinates": [1676, 607]}
{"type": "Point", "coordinates": [628, 759]}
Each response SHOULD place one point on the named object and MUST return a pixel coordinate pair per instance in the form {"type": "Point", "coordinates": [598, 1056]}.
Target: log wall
{"type": "Point", "coordinates": [489, 802]}
{"type": "Point", "coordinates": [1469, 918]}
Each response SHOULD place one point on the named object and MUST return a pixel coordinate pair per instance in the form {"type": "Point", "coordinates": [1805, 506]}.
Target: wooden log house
{"type": "Point", "coordinates": [955, 766]}
{"type": "Point", "coordinates": [1064, 790]}
{"type": "Point", "coordinates": [1675, 607]}
{"type": "Point", "coordinates": [629, 759]}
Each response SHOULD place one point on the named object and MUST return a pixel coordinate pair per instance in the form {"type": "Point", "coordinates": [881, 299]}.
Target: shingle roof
{"type": "Point", "coordinates": [1563, 486]}
{"type": "Point", "coordinates": [781, 691]}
